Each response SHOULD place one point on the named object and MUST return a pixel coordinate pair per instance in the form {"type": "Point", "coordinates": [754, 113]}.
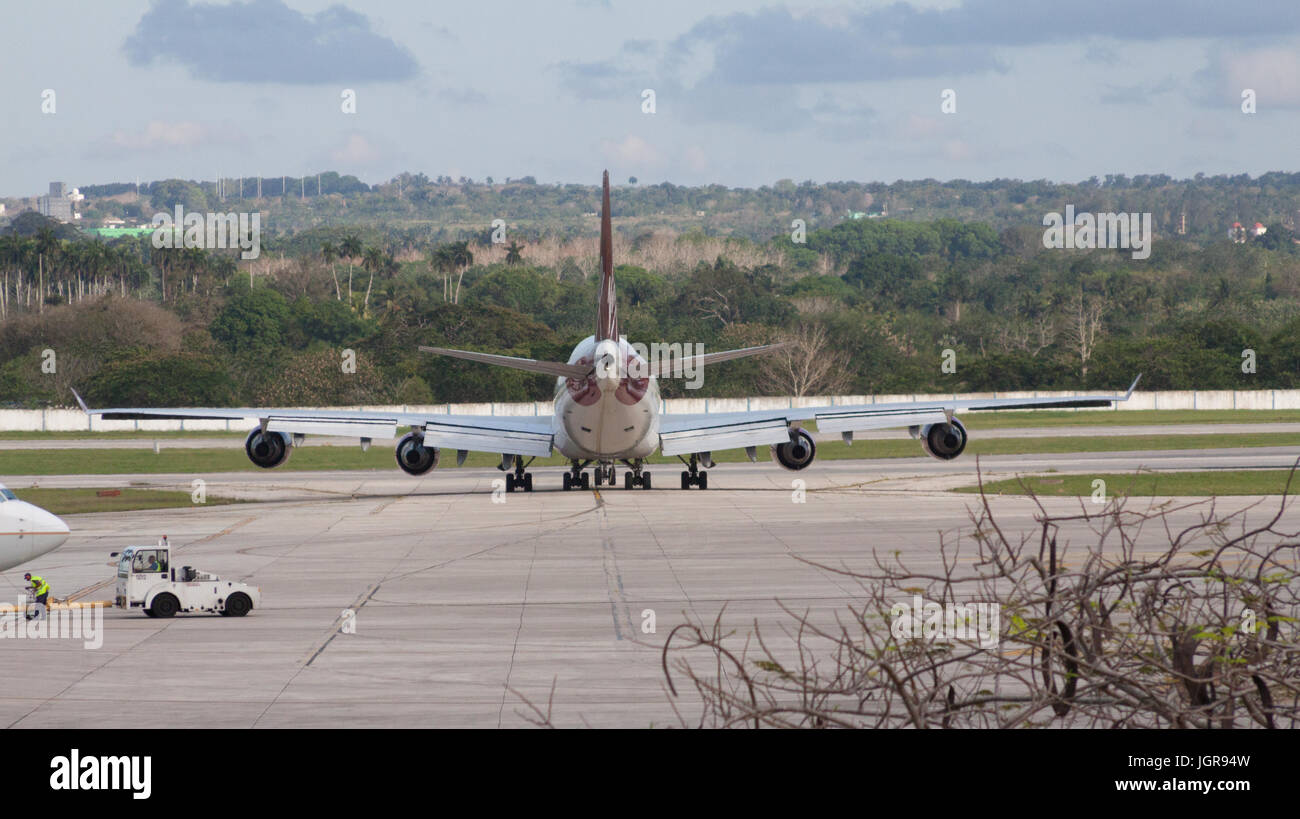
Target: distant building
{"type": "Point", "coordinates": [1237, 233]}
{"type": "Point", "coordinates": [57, 204]}
{"type": "Point", "coordinates": [1258, 230]}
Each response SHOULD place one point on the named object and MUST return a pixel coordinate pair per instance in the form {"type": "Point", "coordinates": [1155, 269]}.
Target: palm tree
{"type": "Point", "coordinates": [47, 246]}
{"type": "Point", "coordinates": [329, 253]}
{"type": "Point", "coordinates": [391, 268]}
{"type": "Point", "coordinates": [9, 254]}
{"type": "Point", "coordinates": [513, 256]}
{"type": "Point", "coordinates": [461, 257]}
{"type": "Point", "coordinates": [195, 261]}
{"type": "Point", "coordinates": [350, 247]}
{"type": "Point", "coordinates": [440, 262]}
{"type": "Point", "coordinates": [372, 260]}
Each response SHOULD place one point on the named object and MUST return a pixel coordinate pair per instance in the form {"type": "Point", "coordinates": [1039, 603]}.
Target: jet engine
{"type": "Point", "coordinates": [267, 449]}
{"type": "Point", "coordinates": [796, 453]}
{"type": "Point", "coordinates": [944, 441]}
{"type": "Point", "coordinates": [414, 457]}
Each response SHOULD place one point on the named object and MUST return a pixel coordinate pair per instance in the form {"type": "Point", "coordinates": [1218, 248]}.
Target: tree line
{"type": "Point", "coordinates": [871, 306]}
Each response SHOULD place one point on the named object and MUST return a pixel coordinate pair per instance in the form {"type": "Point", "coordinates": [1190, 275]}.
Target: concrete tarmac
{"type": "Point", "coordinates": [463, 596]}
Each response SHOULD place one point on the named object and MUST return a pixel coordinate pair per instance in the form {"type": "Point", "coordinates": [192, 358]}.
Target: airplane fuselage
{"type": "Point", "coordinates": [613, 414]}
{"type": "Point", "coordinates": [26, 531]}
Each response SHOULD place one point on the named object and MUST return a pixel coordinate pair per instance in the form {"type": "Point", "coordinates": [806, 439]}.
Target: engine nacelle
{"type": "Point", "coordinates": [944, 441]}
{"type": "Point", "coordinates": [797, 453]}
{"type": "Point", "coordinates": [267, 449]}
{"type": "Point", "coordinates": [414, 457]}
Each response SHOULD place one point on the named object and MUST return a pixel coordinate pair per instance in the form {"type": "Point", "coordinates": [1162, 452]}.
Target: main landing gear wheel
{"type": "Point", "coordinates": [700, 479]}
{"type": "Point", "coordinates": [635, 476]}
{"type": "Point", "coordinates": [520, 479]}
{"type": "Point", "coordinates": [576, 478]}
{"type": "Point", "coordinates": [694, 476]}
{"type": "Point", "coordinates": [524, 482]}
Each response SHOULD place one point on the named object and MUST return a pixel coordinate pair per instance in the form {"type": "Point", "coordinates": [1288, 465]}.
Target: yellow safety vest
{"type": "Point", "coordinates": [39, 585]}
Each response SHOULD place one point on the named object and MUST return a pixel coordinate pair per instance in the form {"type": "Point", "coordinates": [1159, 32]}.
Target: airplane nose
{"type": "Point", "coordinates": [51, 531]}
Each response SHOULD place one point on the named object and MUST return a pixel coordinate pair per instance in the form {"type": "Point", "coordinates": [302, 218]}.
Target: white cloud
{"type": "Point", "coordinates": [356, 151]}
{"type": "Point", "coordinates": [632, 150]}
{"type": "Point", "coordinates": [696, 160]}
{"type": "Point", "coordinates": [1274, 74]}
{"type": "Point", "coordinates": [159, 134]}
{"type": "Point", "coordinates": [917, 126]}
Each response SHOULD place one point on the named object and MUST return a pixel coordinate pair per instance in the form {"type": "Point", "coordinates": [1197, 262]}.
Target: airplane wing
{"type": "Point", "coordinates": [500, 434]}
{"type": "Point", "coordinates": [706, 432]}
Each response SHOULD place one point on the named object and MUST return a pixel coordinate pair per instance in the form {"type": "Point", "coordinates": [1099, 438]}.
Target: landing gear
{"type": "Point", "coordinates": [694, 476]}
{"type": "Point", "coordinates": [635, 476]}
{"type": "Point", "coordinates": [520, 479]}
{"type": "Point", "coordinates": [605, 474]}
{"type": "Point", "coordinates": [575, 478]}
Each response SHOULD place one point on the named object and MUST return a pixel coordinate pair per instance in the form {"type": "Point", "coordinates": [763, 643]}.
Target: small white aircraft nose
{"type": "Point", "coordinates": [50, 531]}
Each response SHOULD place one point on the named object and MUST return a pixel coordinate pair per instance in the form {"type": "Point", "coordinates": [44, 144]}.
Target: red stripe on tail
{"type": "Point", "coordinates": [607, 315]}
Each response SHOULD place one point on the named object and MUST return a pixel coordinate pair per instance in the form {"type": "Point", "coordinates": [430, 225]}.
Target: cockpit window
{"type": "Point", "coordinates": [7, 494]}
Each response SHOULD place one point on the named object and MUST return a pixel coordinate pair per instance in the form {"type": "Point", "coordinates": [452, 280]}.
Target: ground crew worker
{"type": "Point", "coordinates": [42, 591]}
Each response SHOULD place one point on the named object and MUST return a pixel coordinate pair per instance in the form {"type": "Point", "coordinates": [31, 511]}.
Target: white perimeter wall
{"type": "Point", "coordinates": [68, 420]}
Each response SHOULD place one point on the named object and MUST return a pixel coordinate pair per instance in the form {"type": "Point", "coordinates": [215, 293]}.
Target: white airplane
{"type": "Point", "coordinates": [606, 412]}
{"type": "Point", "coordinates": [26, 531]}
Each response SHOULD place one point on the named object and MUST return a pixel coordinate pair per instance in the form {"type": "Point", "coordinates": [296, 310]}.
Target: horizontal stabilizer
{"type": "Point", "coordinates": [530, 365]}
{"type": "Point", "coordinates": [674, 367]}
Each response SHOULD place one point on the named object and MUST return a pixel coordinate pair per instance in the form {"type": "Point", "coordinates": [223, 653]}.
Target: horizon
{"type": "Point", "coordinates": [1101, 180]}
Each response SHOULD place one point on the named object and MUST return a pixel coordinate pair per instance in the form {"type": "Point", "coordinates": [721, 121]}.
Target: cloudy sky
{"type": "Point", "coordinates": [746, 93]}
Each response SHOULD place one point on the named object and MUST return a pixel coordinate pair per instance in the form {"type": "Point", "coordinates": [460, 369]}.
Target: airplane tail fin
{"type": "Point", "coordinates": [607, 312]}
